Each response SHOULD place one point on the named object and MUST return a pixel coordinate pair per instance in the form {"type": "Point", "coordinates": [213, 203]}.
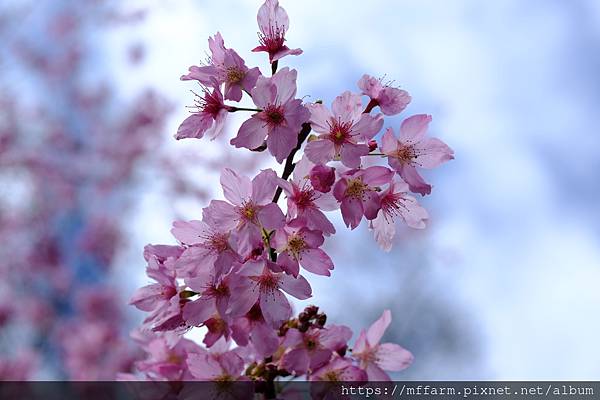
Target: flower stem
{"type": "Point", "coordinates": [234, 109]}
{"type": "Point", "coordinates": [274, 67]}
{"type": "Point", "coordinates": [372, 104]}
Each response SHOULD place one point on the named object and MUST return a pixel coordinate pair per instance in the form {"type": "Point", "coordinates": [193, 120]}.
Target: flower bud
{"type": "Point", "coordinates": [322, 177]}
{"type": "Point", "coordinates": [372, 145]}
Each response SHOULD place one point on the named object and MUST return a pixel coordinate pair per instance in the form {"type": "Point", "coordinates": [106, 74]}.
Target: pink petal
{"type": "Point", "coordinates": [347, 107]}
{"type": "Point", "coordinates": [288, 264]}
{"type": "Point", "coordinates": [194, 126]}
{"type": "Point", "coordinates": [368, 126]}
{"type": "Point", "coordinates": [320, 151]}
{"type": "Point", "coordinates": [189, 232]}
{"type": "Point", "coordinates": [414, 128]}
{"type": "Point", "coordinates": [264, 339]}
{"type": "Point", "coordinates": [392, 357]}
{"type": "Point", "coordinates": [352, 212]}
{"type": "Point", "coordinates": [251, 133]}
{"type": "Point", "coordinates": [320, 117]}
{"type": "Point", "coordinates": [263, 186]}
{"type": "Point", "coordinates": [271, 217]}
{"type": "Point", "coordinates": [264, 93]}
{"type": "Point", "coordinates": [351, 154]}
{"type": "Point", "coordinates": [376, 331]}
{"type": "Point", "coordinates": [377, 175]}
{"type": "Point", "coordinates": [236, 188]}
{"type": "Point", "coordinates": [220, 213]}
{"type": "Point", "coordinates": [370, 86]}
{"type": "Point", "coordinates": [384, 231]}
{"type": "Point", "coordinates": [285, 81]}
{"type": "Point", "coordinates": [432, 152]}
{"type": "Point", "coordinates": [376, 374]}
{"type": "Point", "coordinates": [414, 180]}
{"type": "Point", "coordinates": [281, 141]}
{"type": "Point", "coordinates": [198, 311]}
{"type": "Point", "coordinates": [316, 261]}
{"type": "Point", "coordinates": [389, 143]}
{"type": "Point", "coordinates": [392, 100]}
{"type": "Point", "coordinates": [297, 287]}
{"type": "Point", "coordinates": [296, 360]}
{"type": "Point", "coordinates": [275, 307]}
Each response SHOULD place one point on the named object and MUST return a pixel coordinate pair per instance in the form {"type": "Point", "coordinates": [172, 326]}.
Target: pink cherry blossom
{"type": "Point", "coordinates": [341, 131]}
{"type": "Point", "coordinates": [273, 22]}
{"type": "Point", "coordinates": [166, 357]}
{"type": "Point", "coordinates": [358, 192]}
{"type": "Point", "coordinates": [210, 248]}
{"type": "Point", "coordinates": [305, 204]}
{"type": "Point", "coordinates": [227, 367]}
{"type": "Point", "coordinates": [214, 294]}
{"type": "Point", "coordinates": [158, 296]}
{"type": "Point", "coordinates": [298, 245]}
{"type": "Point", "coordinates": [391, 101]}
{"type": "Point", "coordinates": [209, 117]}
{"type": "Point", "coordinates": [396, 202]}
{"type": "Point", "coordinates": [339, 369]}
{"type": "Point", "coordinates": [224, 66]}
{"type": "Point", "coordinates": [375, 357]}
{"type": "Point", "coordinates": [253, 329]}
{"type": "Point", "coordinates": [256, 281]}
{"type": "Point", "coordinates": [312, 349]}
{"type": "Point", "coordinates": [280, 119]}
{"type": "Point", "coordinates": [249, 208]}
{"type": "Point", "coordinates": [413, 149]}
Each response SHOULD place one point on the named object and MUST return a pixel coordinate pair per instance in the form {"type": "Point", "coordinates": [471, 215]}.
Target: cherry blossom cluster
{"type": "Point", "coordinates": [232, 270]}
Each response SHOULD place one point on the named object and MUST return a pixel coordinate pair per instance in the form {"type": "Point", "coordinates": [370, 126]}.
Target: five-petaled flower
{"type": "Point", "coordinates": [273, 22]}
{"type": "Point", "coordinates": [375, 357]}
{"type": "Point", "coordinates": [343, 131]}
{"type": "Point", "coordinates": [413, 149]}
{"type": "Point", "coordinates": [224, 66]}
{"type": "Point", "coordinates": [280, 119]}
{"type": "Point", "coordinates": [209, 117]}
{"type": "Point", "coordinates": [391, 101]}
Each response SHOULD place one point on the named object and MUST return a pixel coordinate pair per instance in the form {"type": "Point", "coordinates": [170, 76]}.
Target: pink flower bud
{"type": "Point", "coordinates": [322, 178]}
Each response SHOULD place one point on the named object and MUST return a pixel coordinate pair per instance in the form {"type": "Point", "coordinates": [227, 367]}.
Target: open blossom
{"type": "Point", "coordinates": [273, 22]}
{"type": "Point", "coordinates": [396, 202]}
{"type": "Point", "coordinates": [341, 131]}
{"type": "Point", "coordinates": [252, 328]}
{"type": "Point", "coordinates": [375, 357]}
{"type": "Point", "coordinates": [209, 117]}
{"type": "Point", "coordinates": [413, 149]}
{"type": "Point", "coordinates": [249, 208]}
{"type": "Point", "coordinates": [225, 66]}
{"type": "Point", "coordinates": [226, 368]}
{"type": "Point", "coordinates": [305, 204]}
{"type": "Point", "coordinates": [312, 349]}
{"type": "Point", "coordinates": [391, 101]}
{"type": "Point", "coordinates": [358, 192]}
{"type": "Point", "coordinates": [160, 298]}
{"type": "Point", "coordinates": [210, 248]}
{"type": "Point", "coordinates": [281, 117]}
{"type": "Point", "coordinates": [256, 281]}
{"type": "Point", "coordinates": [298, 245]}
{"type": "Point", "coordinates": [167, 355]}
{"type": "Point", "coordinates": [214, 294]}
{"type": "Point", "coordinates": [339, 369]}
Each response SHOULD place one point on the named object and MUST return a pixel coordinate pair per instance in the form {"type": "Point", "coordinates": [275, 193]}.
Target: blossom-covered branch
{"type": "Point", "coordinates": [232, 270]}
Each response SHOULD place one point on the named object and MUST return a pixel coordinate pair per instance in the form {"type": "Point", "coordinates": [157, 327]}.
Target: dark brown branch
{"type": "Point", "coordinates": [289, 162]}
